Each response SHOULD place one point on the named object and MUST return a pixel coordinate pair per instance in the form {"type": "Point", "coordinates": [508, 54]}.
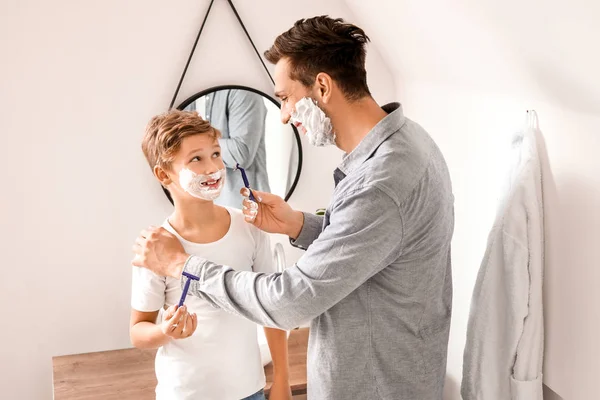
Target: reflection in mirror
{"type": "Point", "coordinates": [252, 136]}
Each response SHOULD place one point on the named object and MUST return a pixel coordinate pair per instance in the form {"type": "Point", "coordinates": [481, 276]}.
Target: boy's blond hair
{"type": "Point", "coordinates": [166, 131]}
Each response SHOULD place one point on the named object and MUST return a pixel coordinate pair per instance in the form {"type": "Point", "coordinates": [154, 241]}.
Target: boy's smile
{"type": "Point", "coordinates": [212, 184]}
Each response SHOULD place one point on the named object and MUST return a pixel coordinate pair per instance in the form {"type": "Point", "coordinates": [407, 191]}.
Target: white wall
{"type": "Point", "coordinates": [550, 395]}
{"type": "Point", "coordinates": [467, 71]}
{"type": "Point", "coordinates": [78, 82]}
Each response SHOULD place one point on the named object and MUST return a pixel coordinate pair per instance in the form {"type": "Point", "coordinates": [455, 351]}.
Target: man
{"type": "Point", "coordinates": [375, 280]}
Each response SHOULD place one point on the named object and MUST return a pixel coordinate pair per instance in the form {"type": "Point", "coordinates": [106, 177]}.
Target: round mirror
{"type": "Point", "coordinates": [252, 136]}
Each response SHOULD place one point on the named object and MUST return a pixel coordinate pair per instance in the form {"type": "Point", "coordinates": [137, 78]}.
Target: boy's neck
{"type": "Point", "coordinates": [195, 215]}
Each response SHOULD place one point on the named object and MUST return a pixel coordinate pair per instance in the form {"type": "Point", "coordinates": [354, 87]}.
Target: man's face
{"type": "Point", "coordinates": [289, 91]}
{"type": "Point", "coordinates": [200, 154]}
{"type": "Point", "coordinates": [306, 107]}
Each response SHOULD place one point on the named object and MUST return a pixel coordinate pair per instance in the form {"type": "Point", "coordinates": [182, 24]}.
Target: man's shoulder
{"type": "Point", "coordinates": [398, 164]}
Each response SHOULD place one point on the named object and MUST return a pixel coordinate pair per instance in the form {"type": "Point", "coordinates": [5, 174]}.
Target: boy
{"type": "Point", "coordinates": [203, 352]}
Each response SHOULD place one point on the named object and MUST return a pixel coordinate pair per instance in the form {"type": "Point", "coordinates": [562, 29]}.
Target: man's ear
{"type": "Point", "coordinates": [324, 87]}
{"type": "Point", "coordinates": [162, 176]}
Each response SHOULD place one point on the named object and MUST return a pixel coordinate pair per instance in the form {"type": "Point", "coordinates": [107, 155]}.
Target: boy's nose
{"type": "Point", "coordinates": [212, 168]}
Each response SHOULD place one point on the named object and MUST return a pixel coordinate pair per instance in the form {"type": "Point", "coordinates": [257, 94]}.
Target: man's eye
{"type": "Point", "coordinates": [284, 99]}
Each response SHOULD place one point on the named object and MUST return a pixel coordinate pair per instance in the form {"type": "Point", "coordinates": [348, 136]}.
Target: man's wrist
{"type": "Point", "coordinates": [179, 265]}
{"type": "Point", "coordinates": [297, 225]}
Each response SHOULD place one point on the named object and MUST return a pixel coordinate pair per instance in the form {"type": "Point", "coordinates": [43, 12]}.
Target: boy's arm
{"type": "Point", "coordinates": [147, 298]}
{"type": "Point", "coordinates": [143, 332]}
{"type": "Point", "coordinates": [146, 334]}
{"type": "Point", "coordinates": [278, 345]}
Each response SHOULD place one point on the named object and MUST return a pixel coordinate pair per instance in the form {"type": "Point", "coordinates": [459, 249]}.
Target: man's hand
{"type": "Point", "coordinates": [178, 324]}
{"type": "Point", "coordinates": [272, 214]}
{"type": "Point", "coordinates": [159, 251]}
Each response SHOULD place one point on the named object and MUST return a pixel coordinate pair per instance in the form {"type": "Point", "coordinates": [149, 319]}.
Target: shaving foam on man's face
{"type": "Point", "coordinates": [314, 120]}
{"type": "Point", "coordinates": [205, 187]}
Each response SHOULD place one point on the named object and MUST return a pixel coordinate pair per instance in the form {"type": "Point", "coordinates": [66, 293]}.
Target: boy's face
{"type": "Point", "coordinates": [199, 154]}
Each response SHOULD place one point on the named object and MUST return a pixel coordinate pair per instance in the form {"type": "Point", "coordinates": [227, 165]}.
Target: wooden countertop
{"type": "Point", "coordinates": [129, 374]}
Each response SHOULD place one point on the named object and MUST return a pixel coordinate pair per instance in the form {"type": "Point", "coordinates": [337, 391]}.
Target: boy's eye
{"type": "Point", "coordinates": [197, 158]}
{"type": "Point", "coordinates": [216, 154]}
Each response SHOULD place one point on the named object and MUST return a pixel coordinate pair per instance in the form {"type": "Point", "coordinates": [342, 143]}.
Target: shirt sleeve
{"type": "Point", "coordinates": [312, 228]}
{"type": "Point", "coordinates": [246, 122]}
{"type": "Point", "coordinates": [147, 290]}
{"type": "Point", "coordinates": [364, 236]}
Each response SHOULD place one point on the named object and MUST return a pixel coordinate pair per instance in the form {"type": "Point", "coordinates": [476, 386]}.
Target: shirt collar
{"type": "Point", "coordinates": [379, 134]}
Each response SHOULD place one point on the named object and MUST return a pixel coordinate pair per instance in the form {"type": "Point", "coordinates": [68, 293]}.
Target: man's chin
{"type": "Point", "coordinates": [322, 140]}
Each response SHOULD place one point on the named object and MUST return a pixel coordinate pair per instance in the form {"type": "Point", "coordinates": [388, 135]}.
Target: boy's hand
{"type": "Point", "coordinates": [159, 251]}
{"type": "Point", "coordinates": [280, 390]}
{"type": "Point", "coordinates": [178, 324]}
{"type": "Point", "coordinates": [272, 214]}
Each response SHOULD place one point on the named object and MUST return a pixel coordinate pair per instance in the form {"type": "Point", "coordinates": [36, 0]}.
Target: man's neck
{"type": "Point", "coordinates": [353, 121]}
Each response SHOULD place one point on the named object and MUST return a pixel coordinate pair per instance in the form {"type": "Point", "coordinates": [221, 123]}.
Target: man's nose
{"type": "Point", "coordinates": [285, 115]}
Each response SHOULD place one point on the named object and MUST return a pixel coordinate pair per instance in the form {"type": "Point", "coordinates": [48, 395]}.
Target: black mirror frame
{"type": "Point", "coordinates": [196, 96]}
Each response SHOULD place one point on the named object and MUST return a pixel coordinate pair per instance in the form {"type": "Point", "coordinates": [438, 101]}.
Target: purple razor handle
{"type": "Point", "coordinates": [245, 178]}
{"type": "Point", "coordinates": [187, 286]}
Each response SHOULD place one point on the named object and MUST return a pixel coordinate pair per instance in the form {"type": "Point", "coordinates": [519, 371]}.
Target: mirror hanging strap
{"type": "Point", "coordinates": [187, 64]}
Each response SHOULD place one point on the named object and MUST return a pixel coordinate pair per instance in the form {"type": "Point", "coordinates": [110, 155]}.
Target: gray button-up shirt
{"type": "Point", "coordinates": [375, 280]}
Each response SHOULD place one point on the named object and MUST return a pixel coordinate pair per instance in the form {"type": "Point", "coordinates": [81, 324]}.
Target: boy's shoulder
{"type": "Point", "coordinates": [235, 212]}
{"type": "Point", "coordinates": [238, 222]}
{"type": "Point", "coordinates": [239, 227]}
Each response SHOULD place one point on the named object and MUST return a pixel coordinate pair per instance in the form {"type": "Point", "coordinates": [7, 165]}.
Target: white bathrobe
{"type": "Point", "coordinates": [505, 335]}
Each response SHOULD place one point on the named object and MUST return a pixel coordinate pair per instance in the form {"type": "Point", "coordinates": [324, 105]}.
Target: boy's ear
{"type": "Point", "coordinates": [162, 176]}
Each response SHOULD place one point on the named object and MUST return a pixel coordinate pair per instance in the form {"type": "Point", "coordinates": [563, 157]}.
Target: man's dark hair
{"type": "Point", "coordinates": [324, 44]}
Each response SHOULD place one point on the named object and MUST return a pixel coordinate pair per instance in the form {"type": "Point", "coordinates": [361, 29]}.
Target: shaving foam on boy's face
{"type": "Point", "coordinates": [314, 120]}
{"type": "Point", "coordinates": [205, 187]}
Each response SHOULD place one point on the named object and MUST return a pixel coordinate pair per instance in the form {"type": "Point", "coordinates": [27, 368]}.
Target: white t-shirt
{"type": "Point", "coordinates": [221, 360]}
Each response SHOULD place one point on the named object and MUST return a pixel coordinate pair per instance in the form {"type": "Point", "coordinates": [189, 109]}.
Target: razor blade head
{"type": "Point", "coordinates": [190, 276]}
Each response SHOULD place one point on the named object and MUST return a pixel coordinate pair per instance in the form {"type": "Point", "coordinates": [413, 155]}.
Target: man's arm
{"type": "Point", "coordinates": [311, 229]}
{"type": "Point", "coordinates": [364, 236]}
{"type": "Point", "coordinates": [246, 121]}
